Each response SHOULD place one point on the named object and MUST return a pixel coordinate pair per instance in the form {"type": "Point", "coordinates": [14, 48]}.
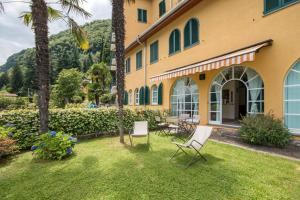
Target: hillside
{"type": "Point", "coordinates": [65, 53]}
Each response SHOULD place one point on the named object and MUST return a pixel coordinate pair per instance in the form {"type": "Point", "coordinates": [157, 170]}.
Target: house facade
{"type": "Point", "coordinates": [217, 60]}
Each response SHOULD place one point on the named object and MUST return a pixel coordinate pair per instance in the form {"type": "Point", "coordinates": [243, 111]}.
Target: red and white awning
{"type": "Point", "coordinates": [236, 57]}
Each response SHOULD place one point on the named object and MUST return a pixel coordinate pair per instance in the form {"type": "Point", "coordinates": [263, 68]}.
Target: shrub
{"type": "Point", "coordinates": [108, 99]}
{"type": "Point", "coordinates": [12, 103]}
{"type": "Point", "coordinates": [264, 130]}
{"type": "Point", "coordinates": [54, 146]}
{"type": "Point", "coordinates": [7, 144]}
{"type": "Point", "coordinates": [73, 121]}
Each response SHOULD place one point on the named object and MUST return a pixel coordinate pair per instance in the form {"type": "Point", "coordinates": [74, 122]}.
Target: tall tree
{"type": "Point", "coordinates": [16, 80]}
{"type": "Point", "coordinates": [38, 16]}
{"type": "Point", "coordinates": [30, 75]}
{"type": "Point", "coordinates": [68, 84]}
{"type": "Point", "coordinates": [118, 28]}
{"type": "Point", "coordinates": [4, 80]}
{"type": "Point", "coordinates": [101, 79]}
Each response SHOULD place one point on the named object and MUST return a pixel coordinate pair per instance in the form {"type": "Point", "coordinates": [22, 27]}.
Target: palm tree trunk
{"type": "Point", "coordinates": [118, 27]}
{"type": "Point", "coordinates": [40, 25]}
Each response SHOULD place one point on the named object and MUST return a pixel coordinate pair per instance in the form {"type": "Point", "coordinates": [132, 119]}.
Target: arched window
{"type": "Point", "coordinates": [191, 32]}
{"type": "Point", "coordinates": [292, 99]}
{"type": "Point", "coordinates": [221, 96]}
{"type": "Point", "coordinates": [154, 95]}
{"type": "Point", "coordinates": [130, 97]}
{"type": "Point", "coordinates": [137, 96]}
{"type": "Point", "coordinates": [174, 42]}
{"type": "Point", "coordinates": [185, 98]}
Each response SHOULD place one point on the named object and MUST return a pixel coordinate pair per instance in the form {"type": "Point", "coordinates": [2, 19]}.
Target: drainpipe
{"type": "Point", "coordinates": [145, 66]}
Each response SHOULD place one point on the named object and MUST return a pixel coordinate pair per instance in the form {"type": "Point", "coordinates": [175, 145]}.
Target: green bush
{"type": "Point", "coordinates": [108, 99]}
{"type": "Point", "coordinates": [75, 121]}
{"type": "Point", "coordinates": [13, 103]}
{"type": "Point", "coordinates": [54, 146]}
{"type": "Point", "coordinates": [264, 130]}
{"type": "Point", "coordinates": [7, 144]}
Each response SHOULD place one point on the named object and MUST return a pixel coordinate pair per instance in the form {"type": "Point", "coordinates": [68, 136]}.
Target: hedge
{"type": "Point", "coordinates": [77, 121]}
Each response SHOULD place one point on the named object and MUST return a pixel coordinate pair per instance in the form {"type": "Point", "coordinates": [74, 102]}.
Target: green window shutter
{"type": "Point", "coordinates": [142, 96]}
{"type": "Point", "coordinates": [174, 41]}
{"type": "Point", "coordinates": [139, 58]}
{"type": "Point", "coordinates": [195, 31]}
{"type": "Point", "coordinates": [177, 40]}
{"type": "Point", "coordinates": [286, 2]}
{"type": "Point", "coordinates": [171, 43]}
{"type": "Point", "coordinates": [154, 52]}
{"type": "Point", "coordinates": [271, 5]}
{"type": "Point", "coordinates": [162, 8]}
{"type": "Point", "coordinates": [147, 95]}
{"type": "Point", "coordinates": [187, 34]}
{"type": "Point", "coordinates": [127, 65]}
{"type": "Point", "coordinates": [145, 16]}
{"type": "Point", "coordinates": [160, 94]}
{"type": "Point", "coordinates": [140, 15]}
{"type": "Point", "coordinates": [125, 100]}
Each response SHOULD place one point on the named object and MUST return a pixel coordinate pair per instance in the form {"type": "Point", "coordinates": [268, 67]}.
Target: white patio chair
{"type": "Point", "coordinates": [140, 130]}
{"type": "Point", "coordinates": [196, 141]}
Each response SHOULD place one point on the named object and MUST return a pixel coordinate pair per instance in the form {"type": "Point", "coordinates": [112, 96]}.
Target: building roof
{"type": "Point", "coordinates": [177, 11]}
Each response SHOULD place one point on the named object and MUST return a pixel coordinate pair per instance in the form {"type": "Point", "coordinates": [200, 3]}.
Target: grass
{"type": "Point", "coordinates": [104, 169]}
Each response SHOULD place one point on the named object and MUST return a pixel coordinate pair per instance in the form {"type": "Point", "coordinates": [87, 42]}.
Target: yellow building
{"type": "Point", "coordinates": [216, 60]}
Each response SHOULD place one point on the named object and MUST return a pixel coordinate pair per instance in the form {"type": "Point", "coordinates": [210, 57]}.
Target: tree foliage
{"type": "Point", "coordinates": [68, 85]}
{"type": "Point", "coordinates": [101, 79]}
{"type": "Point", "coordinates": [16, 80]}
{"type": "Point", "coordinates": [64, 54]}
{"type": "Point", "coordinates": [4, 80]}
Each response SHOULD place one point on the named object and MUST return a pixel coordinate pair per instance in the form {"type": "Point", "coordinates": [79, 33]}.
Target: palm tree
{"type": "Point", "coordinates": [118, 27]}
{"type": "Point", "coordinates": [39, 16]}
{"type": "Point", "coordinates": [101, 79]}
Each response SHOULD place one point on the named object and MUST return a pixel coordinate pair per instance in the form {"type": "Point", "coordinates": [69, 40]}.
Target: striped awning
{"type": "Point", "coordinates": [236, 57]}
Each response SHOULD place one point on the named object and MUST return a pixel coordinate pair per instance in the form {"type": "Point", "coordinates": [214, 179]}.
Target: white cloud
{"type": "Point", "coordinates": [15, 36]}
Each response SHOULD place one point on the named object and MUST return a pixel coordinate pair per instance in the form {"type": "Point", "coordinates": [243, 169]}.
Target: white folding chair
{"type": "Point", "coordinates": [196, 141]}
{"type": "Point", "coordinates": [140, 130]}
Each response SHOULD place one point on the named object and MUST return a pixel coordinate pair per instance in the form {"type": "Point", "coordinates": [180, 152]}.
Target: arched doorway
{"type": "Point", "coordinates": [185, 97]}
{"type": "Point", "coordinates": [235, 92]}
{"type": "Point", "coordinates": [292, 99]}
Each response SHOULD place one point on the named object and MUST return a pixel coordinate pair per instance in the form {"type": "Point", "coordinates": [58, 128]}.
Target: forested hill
{"type": "Point", "coordinates": [64, 52]}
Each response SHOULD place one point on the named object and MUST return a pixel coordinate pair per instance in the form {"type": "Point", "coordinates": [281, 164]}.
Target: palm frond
{"type": "Point", "coordinates": [27, 18]}
{"type": "Point", "coordinates": [1, 7]}
{"type": "Point", "coordinates": [74, 6]}
{"type": "Point", "coordinates": [54, 14]}
{"type": "Point", "coordinates": [79, 34]}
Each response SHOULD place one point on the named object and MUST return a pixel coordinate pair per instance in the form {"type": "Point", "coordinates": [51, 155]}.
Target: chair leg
{"type": "Point", "coordinates": [193, 160]}
{"type": "Point", "coordinates": [173, 156]}
{"type": "Point", "coordinates": [130, 138]}
{"type": "Point", "coordinates": [198, 152]}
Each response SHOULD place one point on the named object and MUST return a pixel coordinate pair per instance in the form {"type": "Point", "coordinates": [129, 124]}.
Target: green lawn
{"type": "Point", "coordinates": [104, 169]}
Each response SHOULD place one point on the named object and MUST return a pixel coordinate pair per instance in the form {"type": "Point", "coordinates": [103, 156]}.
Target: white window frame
{"type": "Point", "coordinates": [233, 78]}
{"type": "Point", "coordinates": [154, 95]}
{"type": "Point", "coordinates": [137, 97]}
{"type": "Point", "coordinates": [130, 97]}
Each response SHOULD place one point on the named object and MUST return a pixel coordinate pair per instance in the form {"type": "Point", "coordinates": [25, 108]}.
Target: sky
{"type": "Point", "coordinates": [15, 36]}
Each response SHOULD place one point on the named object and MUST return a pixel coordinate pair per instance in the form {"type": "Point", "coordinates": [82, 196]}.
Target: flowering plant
{"type": "Point", "coordinates": [54, 146]}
